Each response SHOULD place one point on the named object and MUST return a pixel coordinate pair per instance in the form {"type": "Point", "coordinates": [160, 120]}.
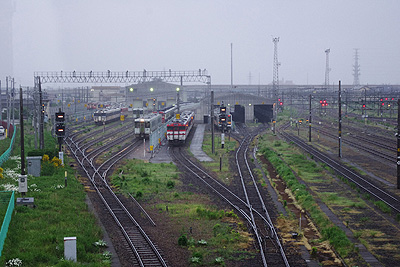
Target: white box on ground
{"type": "Point", "coordinates": [23, 183]}
{"type": "Point", "coordinates": [70, 248]}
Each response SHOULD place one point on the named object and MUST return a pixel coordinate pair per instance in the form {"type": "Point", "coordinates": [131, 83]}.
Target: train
{"type": "Point", "coordinates": [105, 116]}
{"type": "Point", "coordinates": [168, 113]}
{"type": "Point", "coordinates": [147, 124]}
{"type": "Point", "coordinates": [139, 112]}
{"type": "Point", "coordinates": [179, 129]}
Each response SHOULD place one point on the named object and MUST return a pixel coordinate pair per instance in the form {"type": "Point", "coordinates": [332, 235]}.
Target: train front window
{"type": "Point", "coordinates": [181, 128]}
{"type": "Point", "coordinates": [147, 124]}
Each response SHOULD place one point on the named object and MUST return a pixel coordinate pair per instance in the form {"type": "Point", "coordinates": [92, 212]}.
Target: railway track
{"type": "Point", "coordinates": [247, 201]}
{"type": "Point", "coordinates": [141, 250]}
{"type": "Point", "coordinates": [362, 182]}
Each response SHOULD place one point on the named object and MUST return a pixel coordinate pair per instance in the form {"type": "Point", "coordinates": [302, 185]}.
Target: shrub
{"type": "Point", "coordinates": [170, 184]}
{"type": "Point", "coordinates": [182, 241]}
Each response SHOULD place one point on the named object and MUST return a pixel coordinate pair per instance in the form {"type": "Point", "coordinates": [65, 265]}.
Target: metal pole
{"type": "Point", "coordinates": [21, 124]}
{"type": "Point", "coordinates": [212, 122]}
{"type": "Point", "coordinates": [340, 120]}
{"type": "Point", "coordinates": [398, 143]}
{"type": "Point", "coordinates": [1, 104]}
{"type": "Point", "coordinates": [13, 100]}
{"type": "Point", "coordinates": [309, 123]}
{"type": "Point", "coordinates": [8, 109]}
{"type": "Point", "coordinates": [41, 128]}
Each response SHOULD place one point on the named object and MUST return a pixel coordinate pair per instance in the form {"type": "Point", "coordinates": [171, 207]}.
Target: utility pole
{"type": "Point", "coordinates": [398, 143]}
{"type": "Point", "coordinates": [1, 107]}
{"type": "Point", "coordinates": [21, 123]}
{"type": "Point", "coordinates": [13, 101]}
{"type": "Point", "coordinates": [41, 128]}
{"type": "Point", "coordinates": [212, 122]}
{"type": "Point", "coordinates": [327, 69]}
{"type": "Point", "coordinates": [340, 119]}
{"type": "Point", "coordinates": [8, 108]}
{"type": "Point", "coordinates": [309, 123]}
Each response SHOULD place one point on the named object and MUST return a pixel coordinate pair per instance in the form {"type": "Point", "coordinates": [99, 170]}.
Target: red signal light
{"type": "Point", "coordinates": [386, 98]}
{"type": "Point", "coordinates": [383, 103]}
{"type": "Point", "coordinates": [280, 103]}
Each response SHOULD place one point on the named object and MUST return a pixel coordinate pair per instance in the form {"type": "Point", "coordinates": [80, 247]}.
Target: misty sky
{"type": "Point", "coordinates": [120, 35]}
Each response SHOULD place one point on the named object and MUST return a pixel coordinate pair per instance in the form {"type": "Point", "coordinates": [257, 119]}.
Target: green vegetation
{"type": "Point", "coordinates": [224, 153]}
{"type": "Point", "coordinates": [36, 234]}
{"type": "Point", "coordinates": [210, 234]}
{"type": "Point", "coordinates": [146, 180]}
{"type": "Point", "coordinates": [308, 170]}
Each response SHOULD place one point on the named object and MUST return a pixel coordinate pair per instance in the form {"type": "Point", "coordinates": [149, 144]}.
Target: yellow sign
{"type": "Point", "coordinates": [162, 103]}
{"type": "Point", "coordinates": [85, 105]}
{"type": "Point", "coordinates": [147, 104]}
{"type": "Point", "coordinates": [84, 118]}
{"type": "Point", "coordinates": [58, 100]}
{"type": "Point", "coordinates": [151, 148]}
{"type": "Point", "coordinates": [79, 101]}
{"type": "Point", "coordinates": [237, 103]}
{"type": "Point", "coordinates": [101, 105]}
{"type": "Point", "coordinates": [178, 116]}
{"type": "Point", "coordinates": [122, 117]}
{"type": "Point", "coordinates": [69, 105]}
{"type": "Point", "coordinates": [131, 105]}
{"type": "Point", "coordinates": [262, 103]}
{"type": "Point", "coordinates": [218, 103]}
{"type": "Point", "coordinates": [76, 119]}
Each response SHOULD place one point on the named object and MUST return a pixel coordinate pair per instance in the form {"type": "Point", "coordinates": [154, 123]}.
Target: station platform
{"type": "Point", "coordinates": [197, 142]}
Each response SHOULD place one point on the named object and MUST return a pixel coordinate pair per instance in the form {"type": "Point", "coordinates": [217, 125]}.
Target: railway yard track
{"type": "Point", "coordinates": [98, 150]}
{"type": "Point", "coordinates": [247, 200]}
{"type": "Point", "coordinates": [140, 250]}
{"type": "Point", "coordinates": [364, 183]}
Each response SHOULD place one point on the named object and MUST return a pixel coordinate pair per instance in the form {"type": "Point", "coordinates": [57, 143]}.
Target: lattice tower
{"type": "Point", "coordinates": [356, 69]}
{"type": "Point", "coordinates": [327, 69]}
{"type": "Point", "coordinates": [275, 80]}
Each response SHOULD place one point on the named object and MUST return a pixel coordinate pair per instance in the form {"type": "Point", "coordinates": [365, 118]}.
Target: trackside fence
{"type": "Point", "coordinates": [4, 195]}
{"type": "Point", "coordinates": [4, 157]}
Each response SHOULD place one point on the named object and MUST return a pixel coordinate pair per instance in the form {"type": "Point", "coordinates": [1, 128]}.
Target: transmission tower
{"type": "Point", "coordinates": [327, 69]}
{"type": "Point", "coordinates": [356, 69]}
{"type": "Point", "coordinates": [275, 80]}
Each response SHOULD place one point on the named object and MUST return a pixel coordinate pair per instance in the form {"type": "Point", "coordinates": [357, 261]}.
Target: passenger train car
{"type": "Point", "coordinates": [168, 113]}
{"type": "Point", "coordinates": [179, 129]}
{"type": "Point", "coordinates": [147, 124]}
{"type": "Point", "coordinates": [105, 116]}
{"type": "Point", "coordinates": [139, 112]}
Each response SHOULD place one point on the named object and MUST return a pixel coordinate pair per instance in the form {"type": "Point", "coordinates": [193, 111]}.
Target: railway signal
{"type": "Point", "coordinates": [60, 131]}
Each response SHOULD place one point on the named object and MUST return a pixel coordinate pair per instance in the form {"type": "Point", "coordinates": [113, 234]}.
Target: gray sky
{"type": "Point", "coordinates": [120, 35]}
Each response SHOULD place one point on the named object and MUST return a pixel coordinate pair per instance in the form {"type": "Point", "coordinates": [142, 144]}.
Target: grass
{"type": "Point", "coordinates": [224, 174]}
{"type": "Point", "coordinates": [300, 163]}
{"type": "Point", "coordinates": [36, 235]}
{"type": "Point", "coordinates": [218, 235]}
